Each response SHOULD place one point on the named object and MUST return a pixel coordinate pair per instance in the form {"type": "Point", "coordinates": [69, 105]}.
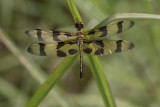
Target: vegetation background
{"type": "Point", "coordinates": [134, 76]}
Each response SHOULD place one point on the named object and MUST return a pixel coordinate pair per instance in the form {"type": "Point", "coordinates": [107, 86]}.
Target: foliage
{"type": "Point", "coordinates": [133, 76]}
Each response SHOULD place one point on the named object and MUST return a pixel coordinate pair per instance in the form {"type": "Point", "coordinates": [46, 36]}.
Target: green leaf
{"type": "Point", "coordinates": [101, 81]}
{"type": "Point", "coordinates": [51, 81]}
{"type": "Point", "coordinates": [126, 16]}
{"type": "Point", "coordinates": [33, 69]}
{"type": "Point", "coordinates": [95, 66]}
{"type": "Point", "coordinates": [74, 11]}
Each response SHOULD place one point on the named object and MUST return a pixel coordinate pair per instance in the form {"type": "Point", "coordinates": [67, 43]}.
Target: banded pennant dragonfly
{"type": "Point", "coordinates": [66, 43]}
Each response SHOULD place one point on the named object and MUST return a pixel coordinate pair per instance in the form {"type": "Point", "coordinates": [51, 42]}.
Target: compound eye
{"type": "Point", "coordinates": [79, 25]}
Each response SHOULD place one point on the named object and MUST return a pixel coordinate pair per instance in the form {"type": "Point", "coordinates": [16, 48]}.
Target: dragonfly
{"type": "Point", "coordinates": [91, 42]}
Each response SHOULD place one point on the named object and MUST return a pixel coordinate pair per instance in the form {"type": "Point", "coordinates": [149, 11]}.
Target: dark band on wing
{"type": "Point", "coordinates": [119, 24]}
{"type": "Point", "coordinates": [88, 42]}
{"type": "Point", "coordinates": [119, 45]}
{"type": "Point", "coordinates": [92, 32]}
{"type": "Point", "coordinates": [100, 43]}
{"type": "Point", "coordinates": [60, 44]}
{"type": "Point", "coordinates": [39, 35]}
{"type": "Point", "coordinates": [99, 51]}
{"type": "Point", "coordinates": [67, 34]}
{"type": "Point", "coordinates": [87, 50]}
{"type": "Point", "coordinates": [72, 51]}
{"type": "Point", "coordinates": [104, 30]}
{"type": "Point", "coordinates": [61, 53]}
{"type": "Point", "coordinates": [71, 43]}
{"type": "Point", "coordinates": [55, 35]}
{"type": "Point", "coordinates": [42, 47]}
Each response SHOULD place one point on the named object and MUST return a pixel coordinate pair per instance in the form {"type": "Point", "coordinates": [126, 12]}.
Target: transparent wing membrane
{"type": "Point", "coordinates": [106, 47]}
{"type": "Point", "coordinates": [51, 36]}
{"type": "Point", "coordinates": [60, 49]}
{"type": "Point", "coordinates": [109, 30]}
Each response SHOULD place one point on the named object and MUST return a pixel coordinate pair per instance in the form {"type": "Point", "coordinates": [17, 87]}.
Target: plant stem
{"type": "Point", "coordinates": [101, 81]}
{"type": "Point", "coordinates": [127, 16]}
{"type": "Point", "coordinates": [95, 66]}
{"type": "Point", "coordinates": [51, 81]}
{"type": "Point", "coordinates": [33, 69]}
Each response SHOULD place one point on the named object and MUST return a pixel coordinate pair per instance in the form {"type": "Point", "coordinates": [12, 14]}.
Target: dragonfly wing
{"type": "Point", "coordinates": [109, 30]}
{"type": "Point", "coordinates": [59, 49]}
{"type": "Point", "coordinates": [106, 47]}
{"type": "Point", "coordinates": [50, 36]}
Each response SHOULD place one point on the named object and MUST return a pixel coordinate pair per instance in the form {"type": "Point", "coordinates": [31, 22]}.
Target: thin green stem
{"type": "Point", "coordinates": [33, 69]}
{"type": "Point", "coordinates": [96, 68]}
{"type": "Point", "coordinates": [127, 16]}
{"type": "Point", "coordinates": [51, 81]}
{"type": "Point", "coordinates": [74, 11]}
{"type": "Point", "coordinates": [20, 56]}
{"type": "Point", "coordinates": [101, 81]}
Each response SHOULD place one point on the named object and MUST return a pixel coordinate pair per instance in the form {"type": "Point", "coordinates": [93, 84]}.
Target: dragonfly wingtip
{"type": "Point", "coordinates": [27, 33]}
{"type": "Point", "coordinates": [131, 46]}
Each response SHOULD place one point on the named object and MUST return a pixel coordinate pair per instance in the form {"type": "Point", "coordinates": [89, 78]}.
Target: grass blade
{"type": "Point", "coordinates": [50, 82]}
{"type": "Point", "coordinates": [95, 66]}
{"type": "Point", "coordinates": [74, 11]}
{"type": "Point", "coordinates": [33, 69]}
{"type": "Point", "coordinates": [123, 16]}
{"type": "Point", "coordinates": [101, 81]}
{"type": "Point", "coordinates": [53, 78]}
{"type": "Point", "coordinates": [20, 56]}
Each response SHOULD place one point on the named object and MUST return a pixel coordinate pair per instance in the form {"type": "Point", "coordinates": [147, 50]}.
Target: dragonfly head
{"type": "Point", "coordinates": [79, 26]}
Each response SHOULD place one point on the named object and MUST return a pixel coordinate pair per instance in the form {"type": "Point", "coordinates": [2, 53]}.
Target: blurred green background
{"type": "Point", "coordinates": [134, 76]}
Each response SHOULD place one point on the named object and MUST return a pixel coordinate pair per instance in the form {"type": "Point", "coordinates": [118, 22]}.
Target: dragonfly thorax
{"type": "Point", "coordinates": [80, 33]}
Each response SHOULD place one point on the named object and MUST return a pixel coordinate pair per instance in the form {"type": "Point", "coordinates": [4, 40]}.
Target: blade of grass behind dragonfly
{"type": "Point", "coordinates": [59, 71]}
{"type": "Point", "coordinates": [95, 65]}
{"type": "Point", "coordinates": [127, 16]}
{"type": "Point", "coordinates": [74, 11]}
{"type": "Point", "coordinates": [33, 69]}
{"type": "Point", "coordinates": [50, 82]}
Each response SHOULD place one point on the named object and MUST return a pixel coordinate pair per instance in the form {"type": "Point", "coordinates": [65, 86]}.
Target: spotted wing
{"type": "Point", "coordinates": [50, 36]}
{"type": "Point", "coordinates": [105, 47]}
{"type": "Point", "coordinates": [109, 30]}
{"type": "Point", "coordinates": [57, 49]}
